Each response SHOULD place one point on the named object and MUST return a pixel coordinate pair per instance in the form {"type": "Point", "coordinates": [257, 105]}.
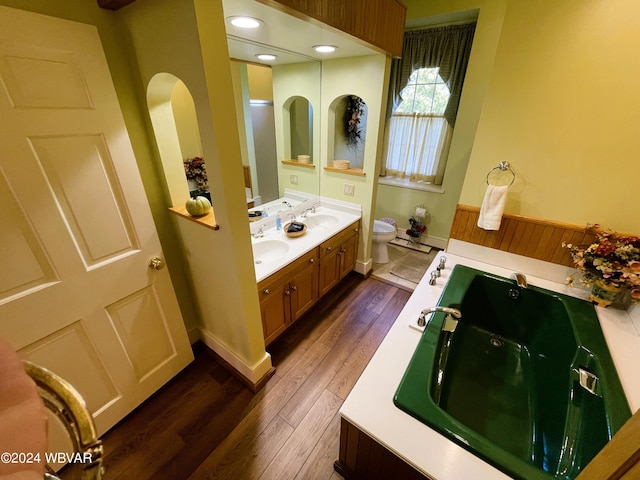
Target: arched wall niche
{"type": "Point", "coordinates": [344, 144]}
{"type": "Point", "coordinates": [175, 126]}
{"type": "Point", "coordinates": [297, 115]}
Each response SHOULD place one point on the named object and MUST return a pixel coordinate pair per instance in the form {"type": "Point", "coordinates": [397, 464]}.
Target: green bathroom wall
{"type": "Point", "coordinates": [301, 80]}
{"type": "Point", "coordinates": [398, 203]}
{"type": "Point", "coordinates": [366, 77]}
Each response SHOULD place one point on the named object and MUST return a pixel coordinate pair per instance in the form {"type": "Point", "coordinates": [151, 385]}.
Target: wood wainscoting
{"type": "Point", "coordinates": [527, 236]}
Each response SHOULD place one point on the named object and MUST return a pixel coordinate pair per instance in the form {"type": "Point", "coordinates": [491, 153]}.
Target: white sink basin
{"type": "Point", "coordinates": [320, 221]}
{"type": "Point", "coordinates": [269, 251]}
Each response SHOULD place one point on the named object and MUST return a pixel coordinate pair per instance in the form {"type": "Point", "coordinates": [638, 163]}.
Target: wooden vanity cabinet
{"type": "Point", "coordinates": [290, 292]}
{"type": "Point", "coordinates": [338, 257]}
{"type": "Point", "coordinates": [287, 294]}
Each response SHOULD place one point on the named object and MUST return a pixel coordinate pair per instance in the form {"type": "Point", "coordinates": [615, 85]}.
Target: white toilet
{"type": "Point", "coordinates": [383, 233]}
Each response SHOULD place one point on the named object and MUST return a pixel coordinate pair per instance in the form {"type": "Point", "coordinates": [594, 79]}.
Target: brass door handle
{"type": "Point", "coordinates": [156, 263]}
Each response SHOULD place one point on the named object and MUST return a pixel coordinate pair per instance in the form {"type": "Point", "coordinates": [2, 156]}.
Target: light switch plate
{"type": "Point", "coordinates": [349, 189]}
{"type": "Point", "coordinates": [293, 179]}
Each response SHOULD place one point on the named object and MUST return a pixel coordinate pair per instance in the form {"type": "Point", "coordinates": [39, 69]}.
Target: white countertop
{"type": "Point", "coordinates": [345, 215]}
{"type": "Point", "coordinates": [370, 406]}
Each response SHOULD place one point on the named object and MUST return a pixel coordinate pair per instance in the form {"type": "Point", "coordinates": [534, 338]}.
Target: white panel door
{"type": "Point", "coordinates": [76, 292]}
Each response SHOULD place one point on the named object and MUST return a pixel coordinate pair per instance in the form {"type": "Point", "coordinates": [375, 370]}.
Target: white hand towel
{"type": "Point", "coordinates": [492, 207]}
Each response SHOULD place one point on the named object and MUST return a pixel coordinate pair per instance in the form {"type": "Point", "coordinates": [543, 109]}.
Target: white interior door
{"type": "Point", "coordinates": [76, 292]}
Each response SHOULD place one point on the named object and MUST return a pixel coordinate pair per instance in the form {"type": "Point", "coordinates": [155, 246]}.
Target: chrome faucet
{"type": "Point", "coordinates": [311, 209]}
{"type": "Point", "coordinates": [287, 204]}
{"type": "Point", "coordinates": [454, 312]}
{"type": "Point", "coordinates": [259, 233]}
{"type": "Point", "coordinates": [520, 279]}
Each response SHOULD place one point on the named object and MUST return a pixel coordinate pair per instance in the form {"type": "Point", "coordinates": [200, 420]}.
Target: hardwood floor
{"type": "Point", "coordinates": [205, 425]}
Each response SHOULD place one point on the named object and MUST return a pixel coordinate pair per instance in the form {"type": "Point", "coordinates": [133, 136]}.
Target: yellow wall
{"type": "Point", "coordinates": [260, 82]}
{"type": "Point", "coordinates": [562, 107]}
{"type": "Point", "coordinates": [226, 294]}
{"type": "Point", "coordinates": [551, 88]}
{"type": "Point", "coordinates": [184, 113]}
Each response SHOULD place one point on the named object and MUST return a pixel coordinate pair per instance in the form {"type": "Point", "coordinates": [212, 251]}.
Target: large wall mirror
{"type": "Point", "coordinates": [296, 76]}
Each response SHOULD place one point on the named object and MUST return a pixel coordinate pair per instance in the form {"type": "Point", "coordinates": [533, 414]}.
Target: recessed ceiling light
{"type": "Point", "coordinates": [325, 48]}
{"type": "Point", "coordinates": [266, 56]}
{"type": "Point", "coordinates": [244, 22]}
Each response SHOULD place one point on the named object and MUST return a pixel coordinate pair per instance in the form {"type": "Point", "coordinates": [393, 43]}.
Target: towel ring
{"type": "Point", "coordinates": [504, 167]}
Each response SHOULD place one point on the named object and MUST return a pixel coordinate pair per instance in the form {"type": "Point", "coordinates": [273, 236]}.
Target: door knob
{"type": "Point", "coordinates": [156, 263]}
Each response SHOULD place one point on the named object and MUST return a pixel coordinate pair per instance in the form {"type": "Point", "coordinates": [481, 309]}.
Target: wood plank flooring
{"type": "Point", "coordinates": [205, 425]}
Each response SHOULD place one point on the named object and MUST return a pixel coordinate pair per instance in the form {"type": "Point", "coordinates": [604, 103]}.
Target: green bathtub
{"type": "Point", "coordinates": [525, 381]}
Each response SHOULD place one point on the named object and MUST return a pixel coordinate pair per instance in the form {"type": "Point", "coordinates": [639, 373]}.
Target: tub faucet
{"type": "Point", "coordinates": [520, 279]}
{"type": "Point", "coordinates": [454, 312]}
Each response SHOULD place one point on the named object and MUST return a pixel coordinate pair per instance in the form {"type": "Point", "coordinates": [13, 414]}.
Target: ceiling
{"type": "Point", "coordinates": [288, 37]}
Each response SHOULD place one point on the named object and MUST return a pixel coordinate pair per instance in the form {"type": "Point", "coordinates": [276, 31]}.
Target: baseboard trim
{"type": "Point", "coordinates": [429, 240]}
{"type": "Point", "coordinates": [254, 377]}
{"type": "Point", "coordinates": [364, 268]}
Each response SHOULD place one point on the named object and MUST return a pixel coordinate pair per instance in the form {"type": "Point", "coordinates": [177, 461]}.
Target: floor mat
{"type": "Point", "coordinates": [411, 267]}
{"type": "Point", "coordinates": [405, 267]}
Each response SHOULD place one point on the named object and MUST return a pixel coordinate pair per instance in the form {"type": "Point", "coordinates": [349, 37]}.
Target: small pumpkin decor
{"type": "Point", "coordinates": [198, 206]}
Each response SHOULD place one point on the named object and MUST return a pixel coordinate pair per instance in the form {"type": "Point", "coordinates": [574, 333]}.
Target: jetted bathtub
{"type": "Point", "coordinates": [523, 380]}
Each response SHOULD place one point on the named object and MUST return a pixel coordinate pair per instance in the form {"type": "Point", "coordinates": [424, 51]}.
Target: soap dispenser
{"type": "Point", "coordinates": [278, 222]}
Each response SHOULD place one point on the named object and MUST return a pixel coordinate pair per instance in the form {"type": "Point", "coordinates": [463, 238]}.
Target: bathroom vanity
{"type": "Point", "coordinates": [293, 273]}
{"type": "Point", "coordinates": [379, 440]}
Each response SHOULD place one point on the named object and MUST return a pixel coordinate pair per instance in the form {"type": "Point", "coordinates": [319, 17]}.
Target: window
{"type": "Point", "coordinates": [419, 134]}
{"type": "Point", "coordinates": [425, 86]}
{"type": "Point", "coordinates": [425, 93]}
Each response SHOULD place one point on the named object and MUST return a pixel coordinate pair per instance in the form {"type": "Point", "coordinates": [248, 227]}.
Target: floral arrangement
{"type": "Point", "coordinates": [612, 257]}
{"type": "Point", "coordinates": [196, 170]}
{"type": "Point", "coordinates": [352, 114]}
{"type": "Point", "coordinates": [417, 228]}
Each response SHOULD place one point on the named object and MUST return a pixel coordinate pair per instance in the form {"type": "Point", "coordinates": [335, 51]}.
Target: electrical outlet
{"type": "Point", "coordinates": [349, 189]}
{"type": "Point", "coordinates": [293, 179]}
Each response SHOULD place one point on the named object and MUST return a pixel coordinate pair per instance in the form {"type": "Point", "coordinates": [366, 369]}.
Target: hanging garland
{"type": "Point", "coordinates": [352, 114]}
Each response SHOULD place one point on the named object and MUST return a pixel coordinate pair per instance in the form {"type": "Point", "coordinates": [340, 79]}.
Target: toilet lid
{"type": "Point", "coordinates": [382, 227]}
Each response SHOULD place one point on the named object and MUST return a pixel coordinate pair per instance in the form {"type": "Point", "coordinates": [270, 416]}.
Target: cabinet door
{"type": "Point", "coordinates": [329, 270]}
{"type": "Point", "coordinates": [275, 310]}
{"type": "Point", "coordinates": [304, 289]}
{"type": "Point", "coordinates": [348, 254]}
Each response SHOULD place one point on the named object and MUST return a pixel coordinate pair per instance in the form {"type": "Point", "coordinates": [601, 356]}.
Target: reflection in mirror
{"type": "Point", "coordinates": [264, 141]}
{"type": "Point", "coordinates": [278, 123]}
{"type": "Point", "coordinates": [301, 129]}
{"type": "Point", "coordinates": [350, 131]}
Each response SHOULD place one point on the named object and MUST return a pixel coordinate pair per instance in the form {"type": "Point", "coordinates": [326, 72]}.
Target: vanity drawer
{"type": "Point", "coordinates": [271, 283]}
{"type": "Point", "coordinates": [335, 242]}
